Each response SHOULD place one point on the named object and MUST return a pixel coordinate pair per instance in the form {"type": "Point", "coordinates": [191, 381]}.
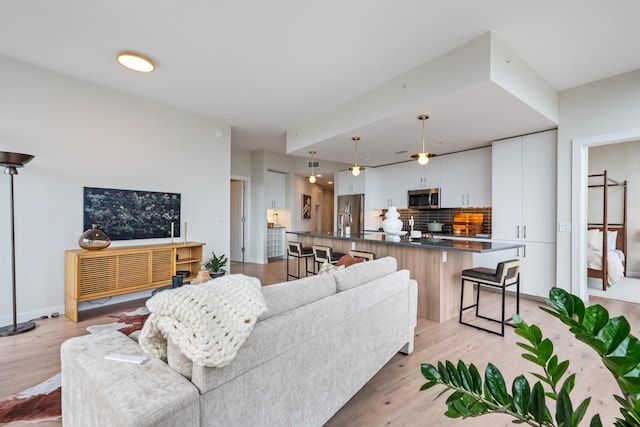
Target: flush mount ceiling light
{"type": "Point", "coordinates": [135, 62]}
{"type": "Point", "coordinates": [312, 178]}
{"type": "Point", "coordinates": [423, 156]}
{"type": "Point", "coordinates": [355, 169]}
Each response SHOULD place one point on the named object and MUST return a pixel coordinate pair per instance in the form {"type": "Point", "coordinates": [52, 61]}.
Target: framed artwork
{"type": "Point", "coordinates": [306, 206]}
{"type": "Point", "coordinates": [132, 214]}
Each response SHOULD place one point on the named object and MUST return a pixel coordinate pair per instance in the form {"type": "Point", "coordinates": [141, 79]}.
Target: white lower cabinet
{"type": "Point", "coordinates": [538, 268]}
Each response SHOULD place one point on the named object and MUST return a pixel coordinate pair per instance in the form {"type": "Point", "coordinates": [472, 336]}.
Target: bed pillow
{"type": "Point", "coordinates": [612, 238]}
{"type": "Point", "coordinates": [594, 240]}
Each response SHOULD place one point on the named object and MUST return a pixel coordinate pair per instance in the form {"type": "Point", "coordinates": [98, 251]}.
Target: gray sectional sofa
{"type": "Point", "coordinates": [322, 339]}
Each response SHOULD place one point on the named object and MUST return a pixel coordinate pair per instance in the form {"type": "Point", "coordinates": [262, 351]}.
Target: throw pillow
{"type": "Point", "coordinates": [327, 268]}
{"type": "Point", "coordinates": [348, 260]}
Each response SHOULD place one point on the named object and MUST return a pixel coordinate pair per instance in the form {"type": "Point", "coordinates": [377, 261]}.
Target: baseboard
{"type": "Point", "coordinates": [633, 274]}
{"type": "Point", "coordinates": [31, 315]}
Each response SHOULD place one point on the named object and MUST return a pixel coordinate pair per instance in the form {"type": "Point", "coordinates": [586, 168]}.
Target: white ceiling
{"type": "Point", "coordinates": [265, 67]}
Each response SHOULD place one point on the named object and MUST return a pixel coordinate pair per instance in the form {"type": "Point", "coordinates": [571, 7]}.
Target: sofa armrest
{"type": "Point", "coordinates": [100, 392]}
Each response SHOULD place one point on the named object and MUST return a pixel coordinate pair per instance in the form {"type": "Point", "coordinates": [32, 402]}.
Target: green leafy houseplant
{"type": "Point", "coordinates": [609, 337]}
{"type": "Point", "coordinates": [216, 264]}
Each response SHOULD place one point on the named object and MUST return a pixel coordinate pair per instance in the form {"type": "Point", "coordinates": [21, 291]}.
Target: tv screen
{"type": "Point", "coordinates": [132, 214]}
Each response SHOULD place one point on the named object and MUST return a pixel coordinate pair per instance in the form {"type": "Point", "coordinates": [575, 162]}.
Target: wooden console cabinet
{"type": "Point", "coordinates": [114, 271]}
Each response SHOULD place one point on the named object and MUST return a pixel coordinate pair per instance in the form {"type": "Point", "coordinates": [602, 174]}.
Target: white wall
{"type": "Point", "coordinates": [588, 112]}
{"type": "Point", "coordinates": [621, 163]}
{"type": "Point", "coordinates": [86, 135]}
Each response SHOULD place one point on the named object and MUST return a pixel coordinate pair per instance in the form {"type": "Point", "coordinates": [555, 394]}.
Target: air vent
{"type": "Point", "coordinates": [314, 164]}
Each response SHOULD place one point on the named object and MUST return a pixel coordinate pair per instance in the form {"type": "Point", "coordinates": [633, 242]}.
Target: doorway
{"type": "Point", "coordinates": [580, 168]}
{"type": "Point", "coordinates": [238, 219]}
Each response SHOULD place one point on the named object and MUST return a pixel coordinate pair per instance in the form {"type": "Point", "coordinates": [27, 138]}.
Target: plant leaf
{"type": "Point", "coordinates": [578, 414]}
{"type": "Point", "coordinates": [428, 385]}
{"type": "Point", "coordinates": [537, 406]}
{"type": "Point", "coordinates": [620, 365]}
{"type": "Point", "coordinates": [495, 383]}
{"type": "Point", "coordinates": [559, 371]}
{"type": "Point", "coordinates": [521, 395]}
{"type": "Point", "coordinates": [614, 332]}
{"type": "Point", "coordinates": [444, 375]}
{"type": "Point", "coordinates": [594, 343]}
{"type": "Point", "coordinates": [560, 300]}
{"type": "Point", "coordinates": [545, 350]}
{"type": "Point", "coordinates": [429, 372]}
{"type": "Point", "coordinates": [477, 379]}
{"type": "Point", "coordinates": [595, 317]}
{"type": "Point", "coordinates": [595, 421]}
{"type": "Point", "coordinates": [465, 376]}
{"type": "Point", "coordinates": [564, 410]}
{"type": "Point", "coordinates": [569, 383]}
{"type": "Point", "coordinates": [533, 359]}
{"type": "Point", "coordinates": [453, 374]}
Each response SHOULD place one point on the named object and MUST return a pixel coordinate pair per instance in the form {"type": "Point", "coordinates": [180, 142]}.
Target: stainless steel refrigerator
{"type": "Point", "coordinates": [351, 210]}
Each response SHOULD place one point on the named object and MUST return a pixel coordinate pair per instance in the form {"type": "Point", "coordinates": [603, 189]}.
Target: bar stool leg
{"type": "Point", "coordinates": [477, 298]}
{"type": "Point", "coordinates": [504, 291]}
{"type": "Point", "coordinates": [461, 300]}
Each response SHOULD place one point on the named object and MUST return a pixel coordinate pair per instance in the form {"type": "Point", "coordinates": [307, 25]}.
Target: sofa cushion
{"type": "Point", "coordinates": [286, 296]}
{"type": "Point", "coordinates": [178, 361]}
{"type": "Point", "coordinates": [358, 274]}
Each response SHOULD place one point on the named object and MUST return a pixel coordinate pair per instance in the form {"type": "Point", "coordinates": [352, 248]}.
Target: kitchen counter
{"type": "Point", "coordinates": [456, 243]}
{"type": "Point", "coordinates": [436, 263]}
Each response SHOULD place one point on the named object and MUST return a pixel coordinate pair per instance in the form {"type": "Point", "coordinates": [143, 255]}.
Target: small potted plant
{"type": "Point", "coordinates": [216, 265]}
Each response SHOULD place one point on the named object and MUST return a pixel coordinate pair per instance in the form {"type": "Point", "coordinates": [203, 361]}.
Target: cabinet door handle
{"type": "Point", "coordinates": [518, 232]}
{"type": "Point", "coordinates": [463, 200]}
{"type": "Point", "coordinates": [467, 199]}
{"type": "Point", "coordinates": [524, 232]}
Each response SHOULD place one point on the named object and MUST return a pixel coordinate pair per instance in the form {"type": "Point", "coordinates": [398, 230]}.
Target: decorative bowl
{"type": "Point", "coordinates": [394, 236]}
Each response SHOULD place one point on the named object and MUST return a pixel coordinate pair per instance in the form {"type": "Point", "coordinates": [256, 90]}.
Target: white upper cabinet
{"type": "Point", "coordinates": [275, 190]}
{"type": "Point", "coordinates": [349, 184]}
{"type": "Point", "coordinates": [465, 178]}
{"type": "Point", "coordinates": [524, 188]}
{"type": "Point", "coordinates": [424, 176]}
{"type": "Point", "coordinates": [389, 186]}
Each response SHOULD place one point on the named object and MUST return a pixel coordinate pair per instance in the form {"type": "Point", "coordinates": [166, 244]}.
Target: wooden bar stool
{"type": "Point", "coordinates": [506, 274]}
{"type": "Point", "coordinates": [295, 249]}
{"type": "Point", "coordinates": [367, 256]}
{"type": "Point", "coordinates": [322, 254]}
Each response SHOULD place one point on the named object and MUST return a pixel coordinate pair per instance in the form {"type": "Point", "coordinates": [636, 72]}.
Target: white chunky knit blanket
{"type": "Point", "coordinates": [208, 322]}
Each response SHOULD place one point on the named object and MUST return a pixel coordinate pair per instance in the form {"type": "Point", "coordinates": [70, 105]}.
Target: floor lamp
{"type": "Point", "coordinates": [11, 162]}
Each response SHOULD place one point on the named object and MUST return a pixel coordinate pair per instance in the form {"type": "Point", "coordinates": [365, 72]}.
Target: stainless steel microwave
{"type": "Point", "coordinates": [428, 198]}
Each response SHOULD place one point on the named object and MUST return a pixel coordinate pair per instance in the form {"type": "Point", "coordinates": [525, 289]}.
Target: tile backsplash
{"type": "Point", "coordinates": [445, 216]}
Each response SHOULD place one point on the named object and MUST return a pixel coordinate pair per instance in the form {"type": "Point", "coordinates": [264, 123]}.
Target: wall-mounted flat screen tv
{"type": "Point", "coordinates": [132, 214]}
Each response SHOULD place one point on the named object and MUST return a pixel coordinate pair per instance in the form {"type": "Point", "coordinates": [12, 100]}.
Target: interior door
{"type": "Point", "coordinates": [237, 221]}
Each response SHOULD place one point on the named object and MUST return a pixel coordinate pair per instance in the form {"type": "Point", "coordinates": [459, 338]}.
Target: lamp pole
{"type": "Point", "coordinates": [12, 161]}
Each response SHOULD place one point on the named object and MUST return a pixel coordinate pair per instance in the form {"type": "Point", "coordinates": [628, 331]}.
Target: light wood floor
{"type": "Point", "coordinates": [392, 396]}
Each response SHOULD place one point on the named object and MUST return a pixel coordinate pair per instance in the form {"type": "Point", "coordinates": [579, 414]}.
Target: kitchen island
{"type": "Point", "coordinates": [435, 263]}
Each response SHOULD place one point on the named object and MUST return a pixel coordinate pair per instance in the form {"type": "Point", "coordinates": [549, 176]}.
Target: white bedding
{"type": "Point", "coordinates": [615, 258]}
{"type": "Point", "coordinates": [615, 268]}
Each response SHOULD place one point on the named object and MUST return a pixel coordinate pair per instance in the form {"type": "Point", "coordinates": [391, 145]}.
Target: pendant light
{"type": "Point", "coordinates": [312, 178]}
{"type": "Point", "coordinates": [355, 169]}
{"type": "Point", "coordinates": [423, 156]}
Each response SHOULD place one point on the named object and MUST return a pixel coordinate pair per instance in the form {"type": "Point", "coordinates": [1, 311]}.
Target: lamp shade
{"type": "Point", "coordinates": [14, 160]}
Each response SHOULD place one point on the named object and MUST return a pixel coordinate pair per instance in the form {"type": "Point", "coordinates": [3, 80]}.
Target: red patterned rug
{"type": "Point", "coordinates": [43, 401]}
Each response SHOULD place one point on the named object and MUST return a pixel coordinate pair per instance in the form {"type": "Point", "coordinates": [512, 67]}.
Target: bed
{"type": "Point", "coordinates": [607, 241]}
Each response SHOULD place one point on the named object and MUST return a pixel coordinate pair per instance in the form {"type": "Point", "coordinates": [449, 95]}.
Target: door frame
{"type": "Point", "coordinates": [579, 180]}
{"type": "Point", "coordinates": [246, 228]}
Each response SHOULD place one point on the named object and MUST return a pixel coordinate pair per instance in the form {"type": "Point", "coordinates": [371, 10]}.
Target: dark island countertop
{"type": "Point", "coordinates": [425, 243]}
